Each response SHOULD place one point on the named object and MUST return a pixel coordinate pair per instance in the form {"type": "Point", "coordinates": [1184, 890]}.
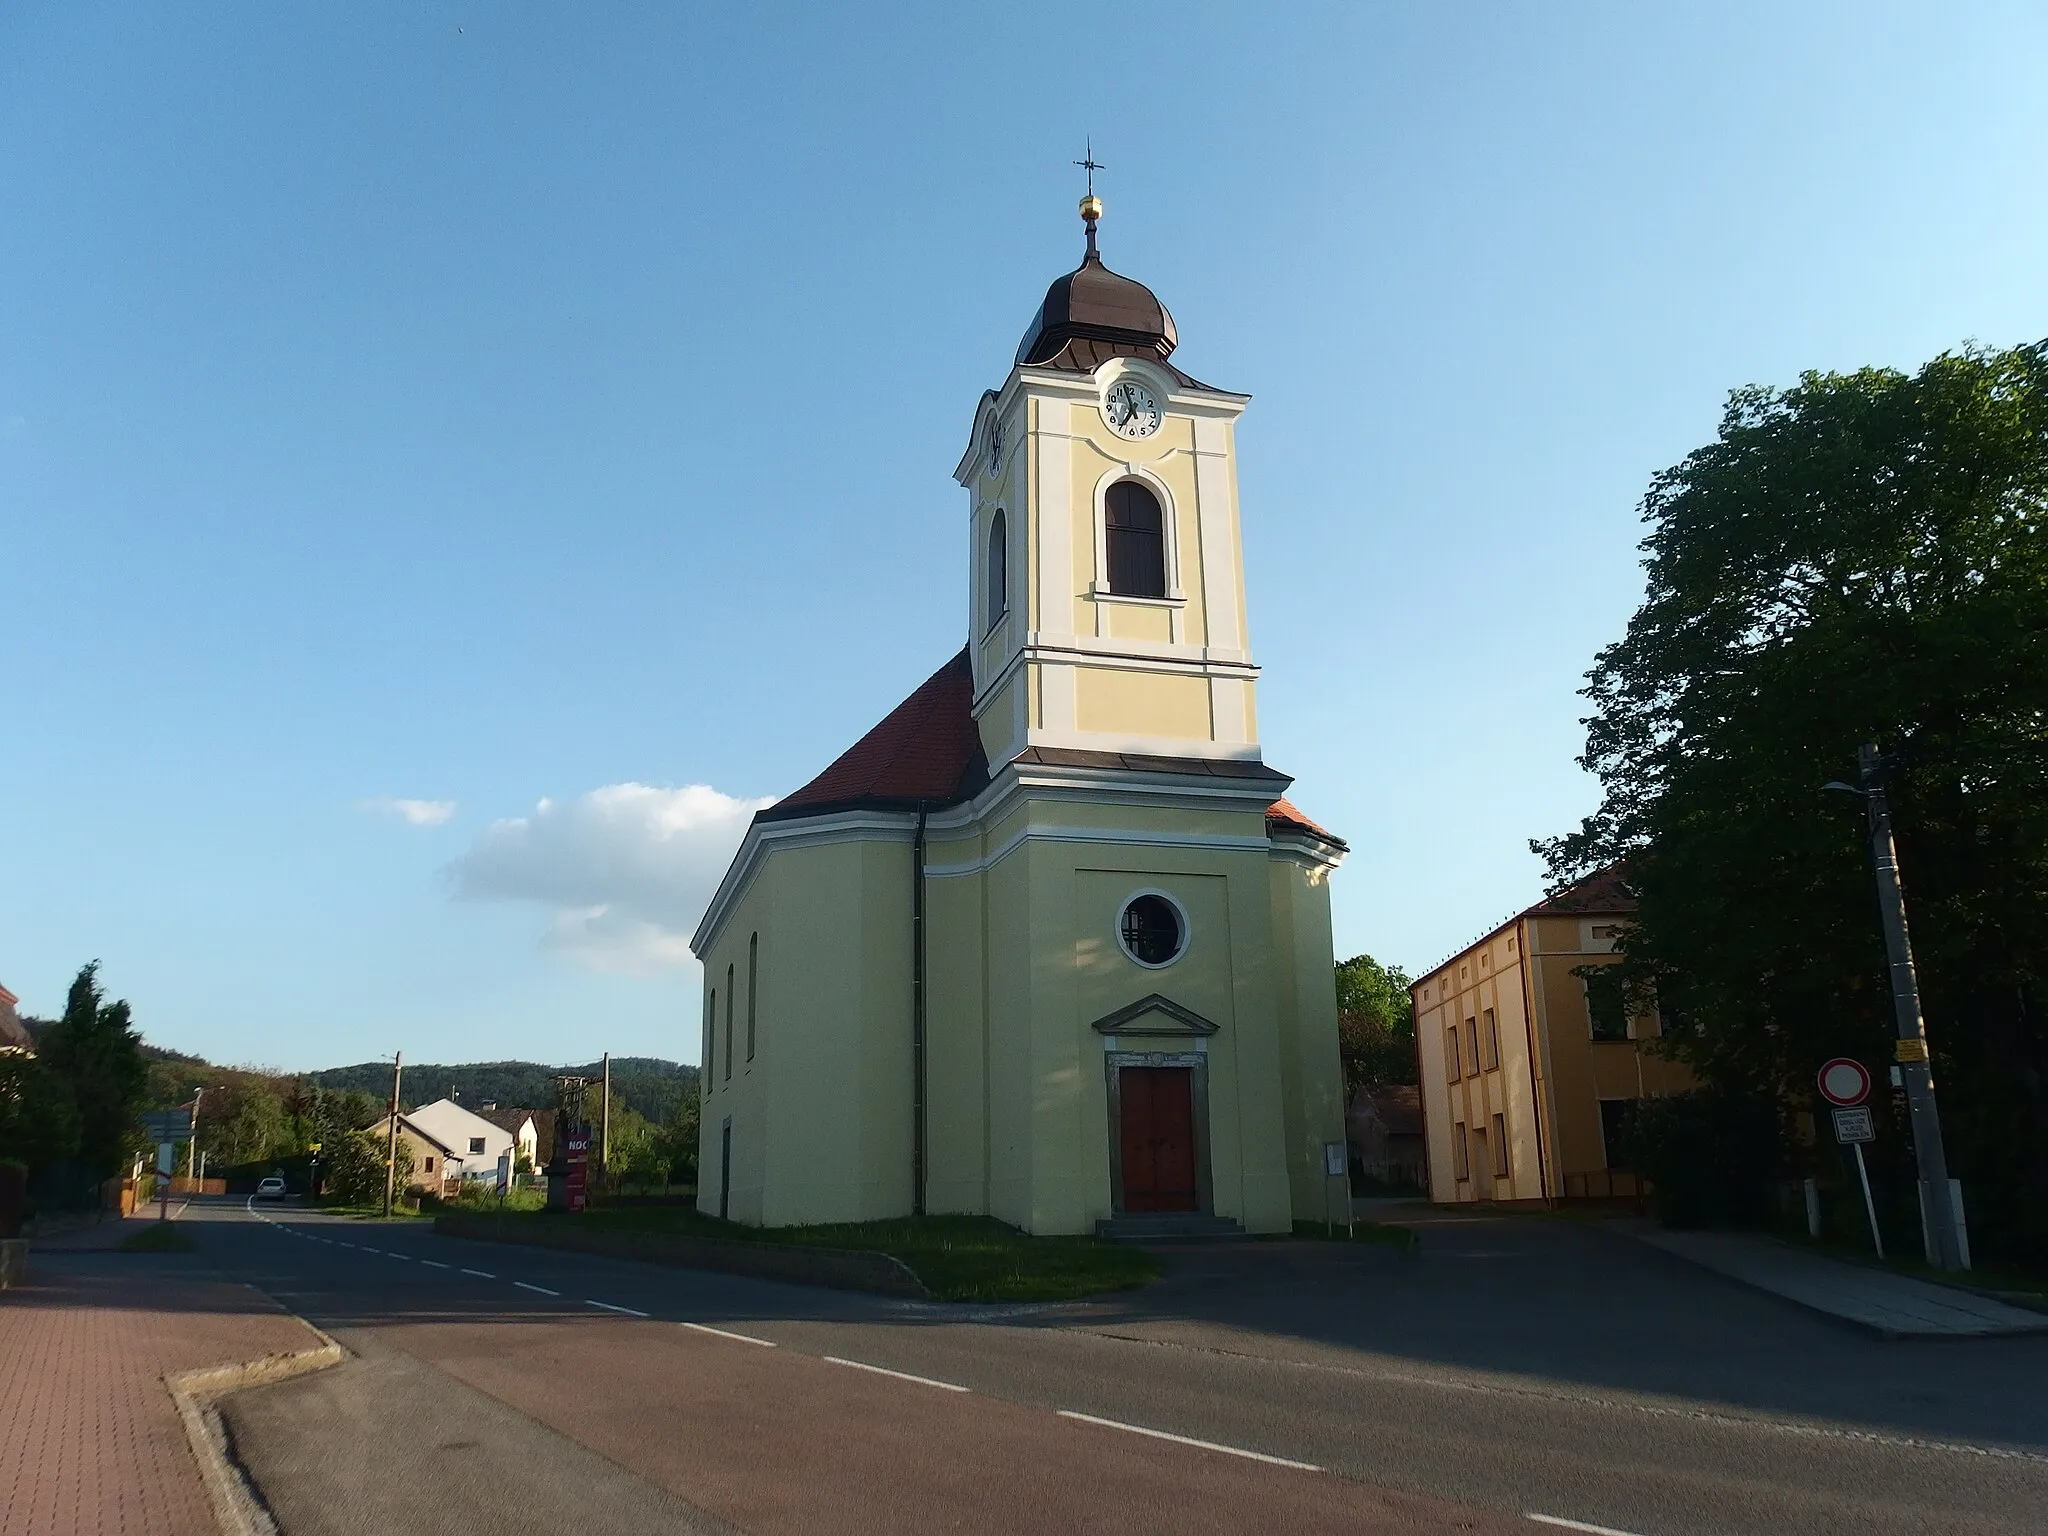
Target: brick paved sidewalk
{"type": "Point", "coordinates": [90, 1440]}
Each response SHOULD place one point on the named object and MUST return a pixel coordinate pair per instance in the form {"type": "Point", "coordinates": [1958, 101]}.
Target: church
{"type": "Point", "coordinates": [1048, 943]}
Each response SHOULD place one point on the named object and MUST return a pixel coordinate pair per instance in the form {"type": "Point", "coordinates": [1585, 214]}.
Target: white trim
{"type": "Point", "coordinates": [1124, 838]}
{"type": "Point", "coordinates": [1187, 928]}
{"type": "Point", "coordinates": [1169, 527]}
{"type": "Point", "coordinates": [800, 832]}
{"type": "Point", "coordinates": [1146, 746]}
{"type": "Point", "coordinates": [1050, 505]}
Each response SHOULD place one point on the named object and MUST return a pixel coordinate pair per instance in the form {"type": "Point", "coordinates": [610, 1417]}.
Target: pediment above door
{"type": "Point", "coordinates": [1154, 1015]}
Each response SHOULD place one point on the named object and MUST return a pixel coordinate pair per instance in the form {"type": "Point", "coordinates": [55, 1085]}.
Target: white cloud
{"type": "Point", "coordinates": [626, 870]}
{"type": "Point", "coordinates": [417, 813]}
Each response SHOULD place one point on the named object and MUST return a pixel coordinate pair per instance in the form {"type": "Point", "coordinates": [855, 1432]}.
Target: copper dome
{"type": "Point", "coordinates": [1093, 313]}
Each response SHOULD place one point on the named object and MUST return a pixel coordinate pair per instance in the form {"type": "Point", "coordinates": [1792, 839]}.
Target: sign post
{"type": "Point", "coordinates": [1845, 1083]}
{"type": "Point", "coordinates": [1336, 1166]}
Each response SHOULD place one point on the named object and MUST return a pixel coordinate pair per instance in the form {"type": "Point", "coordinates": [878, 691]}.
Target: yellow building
{"type": "Point", "coordinates": [1530, 1070]}
{"type": "Point", "coordinates": [1047, 943]}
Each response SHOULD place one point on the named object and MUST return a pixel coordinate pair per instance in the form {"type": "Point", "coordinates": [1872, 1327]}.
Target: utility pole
{"type": "Point", "coordinates": [1914, 1066]}
{"type": "Point", "coordinates": [192, 1147]}
{"type": "Point", "coordinates": [391, 1132]}
{"type": "Point", "coordinates": [604, 1123]}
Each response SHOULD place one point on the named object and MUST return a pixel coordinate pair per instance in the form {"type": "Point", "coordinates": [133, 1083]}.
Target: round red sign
{"type": "Point", "coordinates": [1844, 1082]}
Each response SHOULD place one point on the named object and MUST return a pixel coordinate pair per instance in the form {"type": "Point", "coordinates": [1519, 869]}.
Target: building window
{"type": "Point", "coordinates": [753, 989]}
{"type": "Point", "coordinates": [428, 1167]}
{"type": "Point", "coordinates": [728, 1023]}
{"type": "Point", "coordinates": [1617, 1132]}
{"type": "Point", "coordinates": [1152, 930]}
{"type": "Point", "coordinates": [1136, 531]}
{"type": "Point", "coordinates": [998, 568]}
{"type": "Point", "coordinates": [710, 1034]}
{"type": "Point", "coordinates": [476, 1145]}
{"type": "Point", "coordinates": [1472, 1047]}
{"type": "Point", "coordinates": [1606, 1008]}
{"type": "Point", "coordinates": [1489, 1040]}
{"type": "Point", "coordinates": [1500, 1146]}
{"type": "Point", "coordinates": [1461, 1167]}
{"type": "Point", "coordinates": [1453, 1068]}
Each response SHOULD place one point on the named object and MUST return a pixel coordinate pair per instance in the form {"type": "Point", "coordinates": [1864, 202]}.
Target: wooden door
{"type": "Point", "coordinates": [1156, 1135]}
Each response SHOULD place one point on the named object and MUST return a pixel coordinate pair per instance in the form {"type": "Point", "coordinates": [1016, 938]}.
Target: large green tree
{"type": "Point", "coordinates": [1375, 1023]}
{"type": "Point", "coordinates": [1861, 557]}
{"type": "Point", "coordinates": [98, 1056]}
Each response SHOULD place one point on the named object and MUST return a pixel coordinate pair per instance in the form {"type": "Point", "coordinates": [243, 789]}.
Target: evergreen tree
{"type": "Point", "coordinates": [97, 1055]}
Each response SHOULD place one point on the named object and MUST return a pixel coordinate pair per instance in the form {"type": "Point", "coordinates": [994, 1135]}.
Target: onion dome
{"type": "Point", "coordinates": [1093, 314]}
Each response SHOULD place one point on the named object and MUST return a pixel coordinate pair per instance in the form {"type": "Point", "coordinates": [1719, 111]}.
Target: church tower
{"type": "Point", "coordinates": [1107, 591]}
{"type": "Point", "coordinates": [1049, 943]}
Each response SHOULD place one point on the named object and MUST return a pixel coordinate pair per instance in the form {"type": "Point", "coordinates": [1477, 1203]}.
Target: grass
{"type": "Point", "coordinates": [371, 1212]}
{"type": "Point", "coordinates": [1361, 1232]}
{"type": "Point", "coordinates": [157, 1237]}
{"type": "Point", "coordinates": [958, 1258]}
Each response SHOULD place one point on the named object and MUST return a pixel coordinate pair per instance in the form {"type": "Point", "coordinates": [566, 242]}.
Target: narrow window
{"type": "Point", "coordinates": [1500, 1146]}
{"type": "Point", "coordinates": [1606, 1008]}
{"type": "Point", "coordinates": [1472, 1047]}
{"type": "Point", "coordinates": [998, 568]}
{"type": "Point", "coordinates": [728, 1023]}
{"type": "Point", "coordinates": [1489, 1040]}
{"type": "Point", "coordinates": [753, 989]}
{"type": "Point", "coordinates": [430, 1166]}
{"type": "Point", "coordinates": [1617, 1128]}
{"type": "Point", "coordinates": [710, 1034]}
{"type": "Point", "coordinates": [1136, 530]}
{"type": "Point", "coordinates": [1461, 1167]}
{"type": "Point", "coordinates": [1452, 1069]}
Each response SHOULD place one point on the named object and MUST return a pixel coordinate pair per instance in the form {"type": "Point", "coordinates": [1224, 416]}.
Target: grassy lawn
{"type": "Point", "coordinates": [959, 1258]}
{"type": "Point", "coordinates": [1361, 1232]}
{"type": "Point", "coordinates": [371, 1212]}
{"type": "Point", "coordinates": [157, 1237]}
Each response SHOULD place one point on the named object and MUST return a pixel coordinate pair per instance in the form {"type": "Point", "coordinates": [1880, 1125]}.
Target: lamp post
{"type": "Point", "coordinates": [1916, 1070]}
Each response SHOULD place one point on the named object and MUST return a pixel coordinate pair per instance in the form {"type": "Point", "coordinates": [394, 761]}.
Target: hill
{"type": "Point", "coordinates": [647, 1084]}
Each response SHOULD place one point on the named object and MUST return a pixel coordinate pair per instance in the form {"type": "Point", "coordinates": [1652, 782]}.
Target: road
{"type": "Point", "coordinates": [1518, 1373]}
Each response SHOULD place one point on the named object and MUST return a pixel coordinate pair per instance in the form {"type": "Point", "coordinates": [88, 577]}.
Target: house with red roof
{"type": "Point", "coordinates": [1050, 942]}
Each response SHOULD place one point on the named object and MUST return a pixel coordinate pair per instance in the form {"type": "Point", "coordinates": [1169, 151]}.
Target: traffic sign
{"type": "Point", "coordinates": [1844, 1082]}
{"type": "Point", "coordinates": [168, 1125]}
{"type": "Point", "coordinates": [1852, 1125]}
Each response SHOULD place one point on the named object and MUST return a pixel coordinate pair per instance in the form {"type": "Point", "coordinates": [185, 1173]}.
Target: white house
{"type": "Point", "coordinates": [477, 1149]}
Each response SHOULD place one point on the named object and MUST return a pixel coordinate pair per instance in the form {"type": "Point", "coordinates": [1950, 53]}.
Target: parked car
{"type": "Point", "coordinates": [271, 1188]}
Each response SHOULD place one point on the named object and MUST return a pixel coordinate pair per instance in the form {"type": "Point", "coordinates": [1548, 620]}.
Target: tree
{"type": "Point", "coordinates": [676, 1141]}
{"type": "Point", "coordinates": [98, 1057]}
{"type": "Point", "coordinates": [1862, 557]}
{"type": "Point", "coordinates": [38, 1119]}
{"type": "Point", "coordinates": [1375, 1023]}
{"type": "Point", "coordinates": [352, 1168]}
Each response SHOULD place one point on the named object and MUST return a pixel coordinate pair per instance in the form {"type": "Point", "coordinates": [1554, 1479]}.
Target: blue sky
{"type": "Point", "coordinates": [413, 414]}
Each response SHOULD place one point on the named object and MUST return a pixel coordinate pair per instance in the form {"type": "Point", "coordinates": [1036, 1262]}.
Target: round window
{"type": "Point", "coordinates": [1152, 930]}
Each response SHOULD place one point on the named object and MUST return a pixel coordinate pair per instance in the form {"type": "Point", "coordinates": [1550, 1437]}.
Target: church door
{"type": "Point", "coordinates": [1156, 1135]}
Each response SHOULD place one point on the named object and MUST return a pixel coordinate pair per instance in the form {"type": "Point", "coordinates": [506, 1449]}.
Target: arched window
{"type": "Point", "coordinates": [710, 1035]}
{"type": "Point", "coordinates": [728, 1023]}
{"type": "Point", "coordinates": [753, 988]}
{"type": "Point", "coordinates": [1136, 530]}
{"type": "Point", "coordinates": [998, 567]}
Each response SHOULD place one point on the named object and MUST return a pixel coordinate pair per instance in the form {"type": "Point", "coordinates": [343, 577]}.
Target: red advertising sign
{"type": "Point", "coordinates": [578, 1158]}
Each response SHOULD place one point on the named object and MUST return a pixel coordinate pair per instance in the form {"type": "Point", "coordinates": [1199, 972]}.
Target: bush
{"type": "Point", "coordinates": [1709, 1155]}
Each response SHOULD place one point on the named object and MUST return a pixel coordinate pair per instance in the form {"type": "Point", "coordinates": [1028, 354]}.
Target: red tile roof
{"type": "Point", "coordinates": [926, 749]}
{"type": "Point", "coordinates": [1605, 890]}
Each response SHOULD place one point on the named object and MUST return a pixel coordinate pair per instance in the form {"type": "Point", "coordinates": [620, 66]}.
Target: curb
{"type": "Point", "coordinates": [237, 1507]}
{"type": "Point", "coordinates": [844, 1269]}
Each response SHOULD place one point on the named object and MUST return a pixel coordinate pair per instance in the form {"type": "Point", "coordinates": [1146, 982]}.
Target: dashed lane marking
{"type": "Point", "coordinates": [1575, 1525]}
{"type": "Point", "coordinates": [437, 1264]}
{"type": "Point", "coordinates": [1206, 1445]}
{"type": "Point", "coordinates": [738, 1338]}
{"type": "Point", "coordinates": [540, 1288]}
{"type": "Point", "coordinates": [481, 1274]}
{"type": "Point", "coordinates": [882, 1370]}
{"type": "Point", "coordinates": [608, 1307]}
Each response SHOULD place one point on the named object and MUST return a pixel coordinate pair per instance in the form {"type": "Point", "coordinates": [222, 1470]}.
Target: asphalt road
{"type": "Point", "coordinates": [1516, 1369]}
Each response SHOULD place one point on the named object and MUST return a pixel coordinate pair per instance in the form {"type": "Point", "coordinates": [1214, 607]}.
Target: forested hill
{"type": "Point", "coordinates": [645, 1083]}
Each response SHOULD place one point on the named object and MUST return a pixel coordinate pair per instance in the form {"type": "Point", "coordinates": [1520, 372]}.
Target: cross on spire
{"type": "Point", "coordinates": [1090, 164]}
{"type": "Point", "coordinates": [1091, 205]}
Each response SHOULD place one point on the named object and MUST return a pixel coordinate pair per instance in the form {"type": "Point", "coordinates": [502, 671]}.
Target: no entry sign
{"type": "Point", "coordinates": [1844, 1082]}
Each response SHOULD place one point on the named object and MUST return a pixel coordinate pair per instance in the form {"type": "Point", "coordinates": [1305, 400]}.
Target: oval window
{"type": "Point", "coordinates": [1151, 930]}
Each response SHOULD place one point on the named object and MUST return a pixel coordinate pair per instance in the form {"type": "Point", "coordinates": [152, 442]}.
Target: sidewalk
{"type": "Point", "coordinates": [89, 1437]}
{"type": "Point", "coordinates": [1893, 1306]}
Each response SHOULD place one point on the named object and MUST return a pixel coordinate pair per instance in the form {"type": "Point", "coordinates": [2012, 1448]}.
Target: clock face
{"type": "Point", "coordinates": [1131, 410]}
{"type": "Point", "coordinates": [995, 445]}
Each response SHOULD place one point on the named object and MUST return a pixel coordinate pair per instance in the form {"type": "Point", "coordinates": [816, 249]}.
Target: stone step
{"type": "Point", "coordinates": [1170, 1227]}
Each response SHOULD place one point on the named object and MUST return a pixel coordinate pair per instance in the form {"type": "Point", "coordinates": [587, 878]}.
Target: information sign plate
{"type": "Point", "coordinates": [1334, 1162]}
{"type": "Point", "coordinates": [1854, 1125]}
{"type": "Point", "coordinates": [168, 1124]}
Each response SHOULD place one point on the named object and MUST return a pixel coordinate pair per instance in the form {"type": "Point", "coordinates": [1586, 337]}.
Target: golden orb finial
{"type": "Point", "coordinates": [1091, 208]}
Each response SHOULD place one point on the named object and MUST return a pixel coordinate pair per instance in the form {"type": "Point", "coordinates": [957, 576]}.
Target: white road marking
{"type": "Point", "coordinates": [1575, 1525]}
{"type": "Point", "coordinates": [608, 1307]}
{"type": "Point", "coordinates": [1206, 1445]}
{"type": "Point", "coordinates": [540, 1288]}
{"type": "Point", "coordinates": [437, 1263]}
{"type": "Point", "coordinates": [406, 1256]}
{"type": "Point", "coordinates": [740, 1338]}
{"type": "Point", "coordinates": [880, 1370]}
{"type": "Point", "coordinates": [481, 1274]}
{"type": "Point", "coordinates": [366, 1248]}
